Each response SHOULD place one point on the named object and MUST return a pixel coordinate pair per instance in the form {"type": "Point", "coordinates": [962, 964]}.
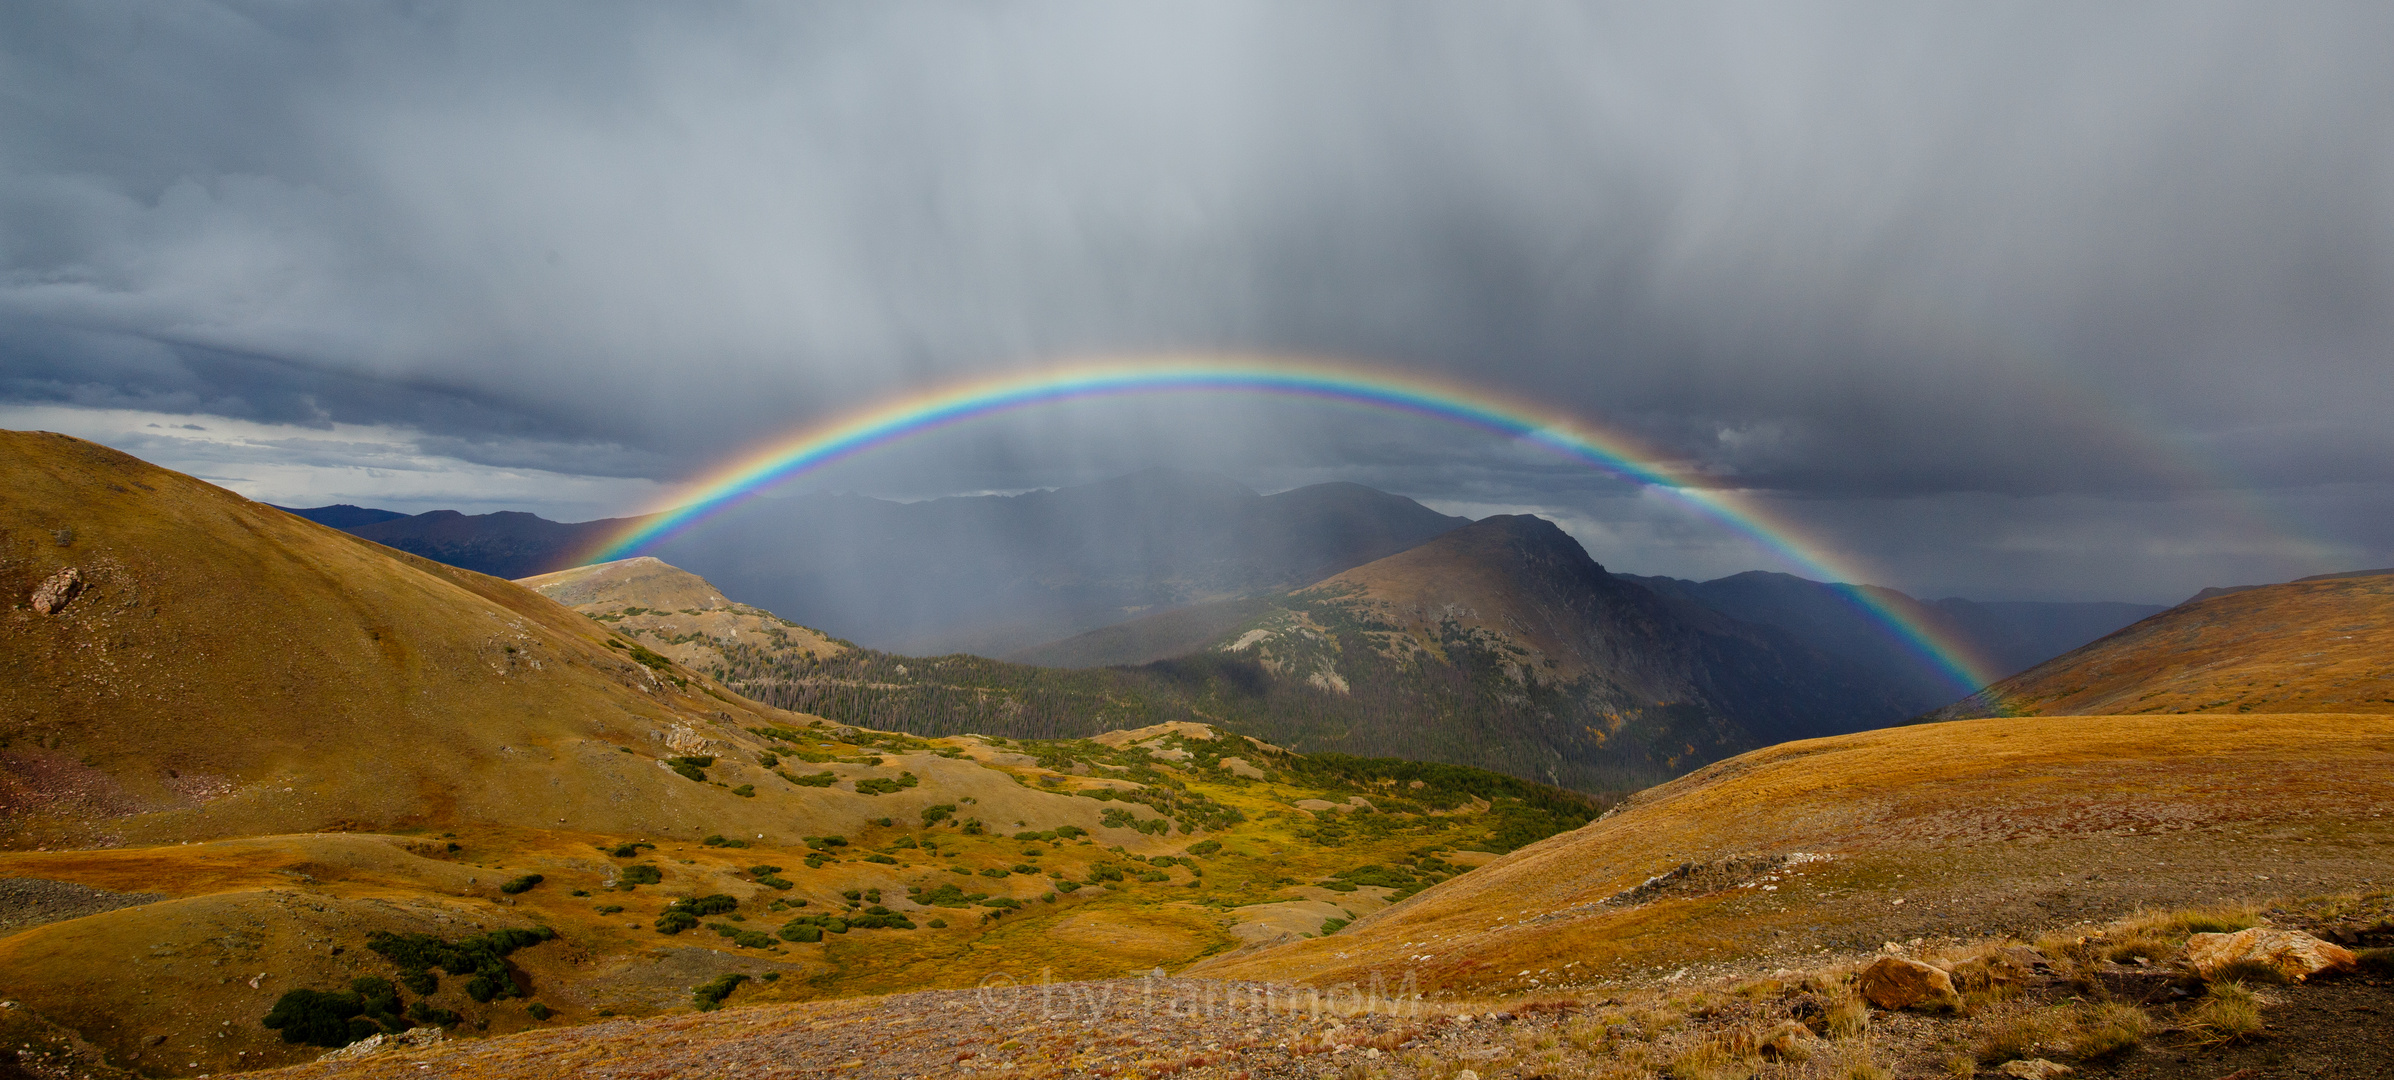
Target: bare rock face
{"type": "Point", "coordinates": [51, 596]}
{"type": "Point", "coordinates": [2294, 954]}
{"type": "Point", "coordinates": [415, 1038]}
{"type": "Point", "coordinates": [1892, 982]}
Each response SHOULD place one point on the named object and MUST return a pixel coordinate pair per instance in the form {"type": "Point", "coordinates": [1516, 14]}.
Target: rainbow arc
{"type": "Point", "coordinates": [922, 413]}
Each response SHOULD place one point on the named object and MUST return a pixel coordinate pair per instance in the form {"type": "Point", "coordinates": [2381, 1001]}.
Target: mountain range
{"type": "Point", "coordinates": [1151, 566]}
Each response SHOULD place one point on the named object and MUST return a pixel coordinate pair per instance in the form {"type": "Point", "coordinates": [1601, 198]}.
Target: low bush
{"type": "Point", "coordinates": [709, 997]}
{"type": "Point", "coordinates": [745, 791]}
{"type": "Point", "coordinates": [802, 931]}
{"type": "Point", "coordinates": [521, 885]}
{"type": "Point", "coordinates": [627, 851]}
{"type": "Point", "coordinates": [1332, 926]}
{"type": "Point", "coordinates": [1205, 847]}
{"type": "Point", "coordinates": [882, 859]}
{"type": "Point", "coordinates": [722, 841]}
{"type": "Point", "coordinates": [993, 871]}
{"type": "Point", "coordinates": [938, 812]}
{"type": "Point", "coordinates": [2377, 962]}
{"type": "Point", "coordinates": [692, 767]}
{"type": "Point", "coordinates": [640, 874]}
{"type": "Point", "coordinates": [320, 1018]}
{"type": "Point", "coordinates": [674, 922]}
{"type": "Point", "coordinates": [610, 909]}
{"type": "Point", "coordinates": [768, 758]}
{"type": "Point", "coordinates": [822, 842]}
{"type": "Point", "coordinates": [821, 779]}
{"type": "Point", "coordinates": [539, 1011]}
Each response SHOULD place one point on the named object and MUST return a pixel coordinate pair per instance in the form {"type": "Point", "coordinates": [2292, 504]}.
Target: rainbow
{"type": "Point", "coordinates": [927, 411]}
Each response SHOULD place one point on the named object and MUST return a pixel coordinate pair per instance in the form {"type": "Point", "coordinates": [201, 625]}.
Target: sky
{"type": "Point", "coordinates": [2052, 301]}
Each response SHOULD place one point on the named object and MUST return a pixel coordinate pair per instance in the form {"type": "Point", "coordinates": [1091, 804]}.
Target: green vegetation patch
{"type": "Point", "coordinates": [709, 997]}
{"type": "Point", "coordinates": [483, 956]}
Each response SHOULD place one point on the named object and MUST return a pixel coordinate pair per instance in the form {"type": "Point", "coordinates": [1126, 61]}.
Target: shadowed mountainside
{"type": "Point", "coordinates": [2315, 645]}
{"type": "Point", "coordinates": [507, 544]}
{"type": "Point", "coordinates": [2008, 636]}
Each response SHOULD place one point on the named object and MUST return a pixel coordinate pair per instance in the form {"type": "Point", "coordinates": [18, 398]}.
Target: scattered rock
{"type": "Point", "coordinates": [1698, 879]}
{"type": "Point", "coordinates": [412, 1039]}
{"type": "Point", "coordinates": [52, 595]}
{"type": "Point", "coordinates": [1892, 982]}
{"type": "Point", "coordinates": [2034, 1069]}
{"type": "Point", "coordinates": [2295, 955]}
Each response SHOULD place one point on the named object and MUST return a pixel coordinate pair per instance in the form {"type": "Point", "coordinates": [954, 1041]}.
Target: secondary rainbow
{"type": "Point", "coordinates": [818, 445]}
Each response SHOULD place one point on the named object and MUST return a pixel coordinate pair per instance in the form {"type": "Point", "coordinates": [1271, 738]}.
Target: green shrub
{"type": "Point", "coordinates": [993, 871]}
{"type": "Point", "coordinates": [674, 922]}
{"type": "Point", "coordinates": [938, 812]}
{"type": "Point", "coordinates": [1205, 847]}
{"type": "Point", "coordinates": [522, 884]}
{"type": "Point", "coordinates": [640, 874]}
{"type": "Point", "coordinates": [722, 841]}
{"type": "Point", "coordinates": [882, 859]}
{"type": "Point", "coordinates": [691, 767]}
{"type": "Point", "coordinates": [764, 870]}
{"type": "Point", "coordinates": [937, 924]}
{"type": "Point", "coordinates": [710, 996]}
{"type": "Point", "coordinates": [745, 791]}
{"type": "Point", "coordinates": [803, 931]}
{"type": "Point", "coordinates": [320, 1018]}
{"type": "Point", "coordinates": [610, 909]}
{"type": "Point", "coordinates": [1332, 926]}
{"type": "Point", "coordinates": [826, 841]}
{"type": "Point", "coordinates": [768, 758]}
{"type": "Point", "coordinates": [1068, 886]}
{"type": "Point", "coordinates": [627, 851]}
{"type": "Point", "coordinates": [1068, 832]}
{"type": "Point", "coordinates": [539, 1011]}
{"type": "Point", "coordinates": [821, 779]}
{"type": "Point", "coordinates": [714, 904]}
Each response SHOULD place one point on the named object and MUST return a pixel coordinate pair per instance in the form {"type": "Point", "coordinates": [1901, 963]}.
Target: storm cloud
{"type": "Point", "coordinates": [2019, 299]}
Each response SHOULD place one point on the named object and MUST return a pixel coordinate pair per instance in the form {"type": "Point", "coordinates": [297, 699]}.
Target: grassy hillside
{"type": "Point", "coordinates": [2318, 645]}
{"type": "Point", "coordinates": [1948, 830]}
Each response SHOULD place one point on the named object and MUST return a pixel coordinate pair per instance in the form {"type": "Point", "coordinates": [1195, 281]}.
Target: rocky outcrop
{"type": "Point", "coordinates": [2291, 953]}
{"type": "Point", "coordinates": [53, 595]}
{"type": "Point", "coordinates": [1892, 982]}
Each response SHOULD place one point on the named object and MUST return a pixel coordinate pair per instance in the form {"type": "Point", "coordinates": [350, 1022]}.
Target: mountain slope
{"type": "Point", "coordinates": [2316, 645]}
{"type": "Point", "coordinates": [2008, 636]}
{"type": "Point", "coordinates": [1516, 604]}
{"type": "Point", "coordinates": [679, 614]}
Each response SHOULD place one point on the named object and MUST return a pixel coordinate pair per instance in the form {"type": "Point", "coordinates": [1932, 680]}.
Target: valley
{"type": "Point", "coordinates": [268, 789]}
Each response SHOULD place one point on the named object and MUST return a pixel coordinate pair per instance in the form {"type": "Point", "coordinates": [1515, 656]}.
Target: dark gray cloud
{"type": "Point", "coordinates": [2083, 261]}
